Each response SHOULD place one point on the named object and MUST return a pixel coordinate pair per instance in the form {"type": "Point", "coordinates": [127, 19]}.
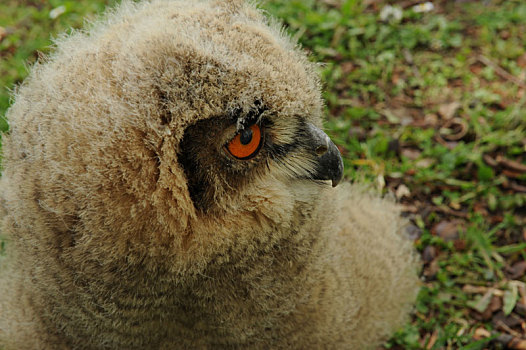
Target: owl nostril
{"type": "Point", "coordinates": [321, 150]}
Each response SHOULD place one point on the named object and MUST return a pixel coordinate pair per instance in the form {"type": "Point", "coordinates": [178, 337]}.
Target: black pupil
{"type": "Point", "coordinates": [246, 136]}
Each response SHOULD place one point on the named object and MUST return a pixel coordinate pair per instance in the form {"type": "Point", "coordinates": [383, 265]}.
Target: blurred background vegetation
{"type": "Point", "coordinates": [426, 101]}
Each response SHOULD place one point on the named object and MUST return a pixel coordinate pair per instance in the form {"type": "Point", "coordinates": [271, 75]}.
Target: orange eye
{"type": "Point", "coordinates": [246, 143]}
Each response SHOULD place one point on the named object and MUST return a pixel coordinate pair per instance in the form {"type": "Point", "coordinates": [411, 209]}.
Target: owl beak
{"type": "Point", "coordinates": [330, 163]}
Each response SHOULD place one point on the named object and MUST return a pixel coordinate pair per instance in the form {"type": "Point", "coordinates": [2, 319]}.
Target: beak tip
{"type": "Point", "coordinates": [329, 160]}
{"type": "Point", "coordinates": [339, 176]}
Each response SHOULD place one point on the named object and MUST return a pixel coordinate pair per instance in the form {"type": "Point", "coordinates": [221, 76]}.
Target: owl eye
{"type": "Point", "coordinates": [246, 143]}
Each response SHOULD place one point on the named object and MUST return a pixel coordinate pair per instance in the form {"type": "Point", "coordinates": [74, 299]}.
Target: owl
{"type": "Point", "coordinates": [167, 185]}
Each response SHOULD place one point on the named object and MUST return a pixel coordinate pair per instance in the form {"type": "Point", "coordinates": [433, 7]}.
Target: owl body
{"type": "Point", "coordinates": [166, 185]}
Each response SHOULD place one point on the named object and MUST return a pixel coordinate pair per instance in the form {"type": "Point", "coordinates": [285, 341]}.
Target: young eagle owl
{"type": "Point", "coordinates": [167, 185]}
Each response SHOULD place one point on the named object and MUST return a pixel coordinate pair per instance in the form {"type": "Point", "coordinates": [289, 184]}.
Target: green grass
{"type": "Point", "coordinates": [27, 29]}
{"type": "Point", "coordinates": [431, 108]}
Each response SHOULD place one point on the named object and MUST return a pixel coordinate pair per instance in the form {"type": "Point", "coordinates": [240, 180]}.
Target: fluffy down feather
{"type": "Point", "coordinates": [107, 248]}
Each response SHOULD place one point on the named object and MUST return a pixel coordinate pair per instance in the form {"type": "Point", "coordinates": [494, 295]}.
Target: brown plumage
{"type": "Point", "coordinates": [130, 226]}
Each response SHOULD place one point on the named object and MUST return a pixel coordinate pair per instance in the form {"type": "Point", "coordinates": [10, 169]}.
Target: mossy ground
{"type": "Point", "coordinates": [429, 107]}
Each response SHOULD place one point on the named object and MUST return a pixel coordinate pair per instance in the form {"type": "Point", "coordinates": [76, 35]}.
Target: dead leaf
{"type": "Point", "coordinates": [521, 61]}
{"type": "Point", "coordinates": [512, 174]}
{"type": "Point", "coordinates": [522, 292]}
{"type": "Point", "coordinates": [402, 191]}
{"type": "Point", "coordinates": [511, 342]}
{"type": "Point", "coordinates": [517, 344]}
{"type": "Point", "coordinates": [455, 205]}
{"type": "Point", "coordinates": [347, 67]}
{"type": "Point", "coordinates": [511, 164]}
{"type": "Point", "coordinates": [397, 115]}
{"type": "Point", "coordinates": [470, 289]}
{"type": "Point", "coordinates": [495, 304]}
{"type": "Point", "coordinates": [460, 244]}
{"type": "Point", "coordinates": [514, 186]}
{"type": "Point", "coordinates": [480, 208]}
{"type": "Point", "coordinates": [447, 230]}
{"type": "Point", "coordinates": [517, 270]}
{"type": "Point", "coordinates": [520, 309]}
{"type": "Point", "coordinates": [429, 254]}
{"type": "Point", "coordinates": [432, 269]}
{"type": "Point", "coordinates": [510, 299]}
{"type": "Point", "coordinates": [432, 340]}
{"type": "Point", "coordinates": [3, 33]}
{"type": "Point", "coordinates": [481, 333]}
{"type": "Point", "coordinates": [490, 161]}
{"type": "Point", "coordinates": [448, 110]}
{"type": "Point", "coordinates": [476, 68]}
{"type": "Point", "coordinates": [453, 129]}
{"type": "Point", "coordinates": [496, 219]}
{"type": "Point", "coordinates": [409, 208]}
{"type": "Point", "coordinates": [482, 304]}
{"type": "Point", "coordinates": [424, 163]}
{"type": "Point", "coordinates": [505, 34]}
{"type": "Point", "coordinates": [413, 232]}
{"type": "Point", "coordinates": [334, 3]}
{"type": "Point", "coordinates": [503, 321]}
{"type": "Point", "coordinates": [411, 153]}
{"type": "Point", "coordinates": [449, 211]}
{"type": "Point", "coordinates": [431, 119]}
{"type": "Point", "coordinates": [501, 71]}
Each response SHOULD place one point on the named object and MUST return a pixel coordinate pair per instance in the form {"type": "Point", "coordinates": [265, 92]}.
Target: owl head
{"type": "Point", "coordinates": [166, 126]}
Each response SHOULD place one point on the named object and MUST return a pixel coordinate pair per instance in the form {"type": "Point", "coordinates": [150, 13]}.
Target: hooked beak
{"type": "Point", "coordinates": [330, 163]}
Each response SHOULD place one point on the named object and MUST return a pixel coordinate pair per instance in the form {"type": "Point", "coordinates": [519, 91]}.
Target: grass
{"type": "Point", "coordinates": [429, 107]}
